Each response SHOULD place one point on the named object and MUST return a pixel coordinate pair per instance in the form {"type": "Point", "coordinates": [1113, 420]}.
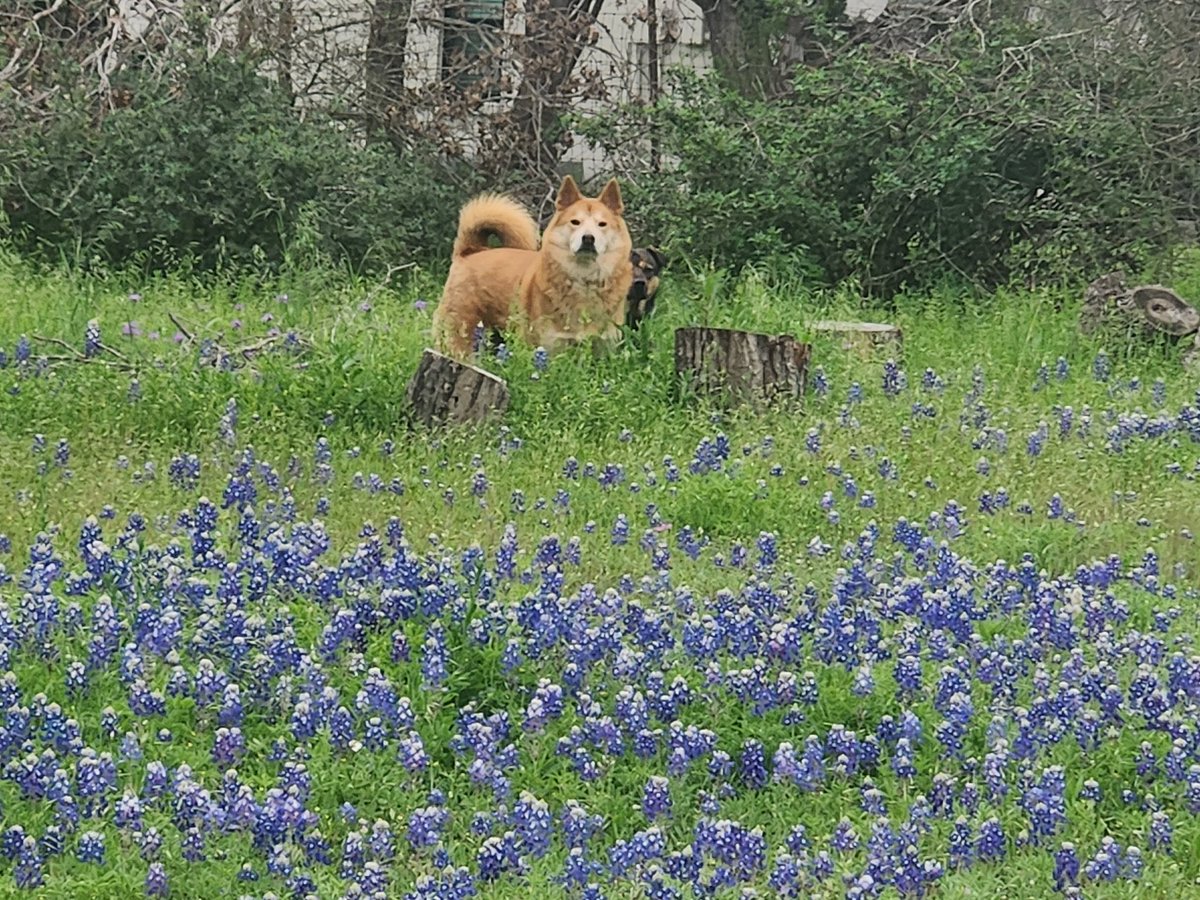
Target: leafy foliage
{"type": "Point", "coordinates": [975, 163]}
{"type": "Point", "coordinates": [216, 168]}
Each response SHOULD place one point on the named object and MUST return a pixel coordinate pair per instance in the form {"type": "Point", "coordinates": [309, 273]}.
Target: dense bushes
{"type": "Point", "coordinates": [985, 150]}
{"type": "Point", "coordinates": [218, 169]}
{"type": "Point", "coordinates": [896, 171]}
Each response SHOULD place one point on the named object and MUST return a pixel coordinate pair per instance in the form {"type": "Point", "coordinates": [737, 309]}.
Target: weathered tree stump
{"type": "Point", "coordinates": [1191, 359]}
{"type": "Point", "coordinates": [864, 338]}
{"type": "Point", "coordinates": [1165, 310]}
{"type": "Point", "coordinates": [743, 366]}
{"type": "Point", "coordinates": [446, 391]}
{"type": "Point", "coordinates": [1145, 311]}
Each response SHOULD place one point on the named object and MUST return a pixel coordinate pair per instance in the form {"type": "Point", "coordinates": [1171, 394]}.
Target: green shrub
{"type": "Point", "coordinates": [217, 169]}
{"type": "Point", "coordinates": [893, 172]}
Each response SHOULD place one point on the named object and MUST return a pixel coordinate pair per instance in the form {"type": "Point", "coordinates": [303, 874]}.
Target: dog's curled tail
{"type": "Point", "coordinates": [494, 216]}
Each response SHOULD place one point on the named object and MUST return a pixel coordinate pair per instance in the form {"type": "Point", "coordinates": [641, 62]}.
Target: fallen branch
{"type": "Point", "coordinates": [183, 329]}
{"type": "Point", "coordinates": [212, 352]}
{"type": "Point", "coordinates": [110, 363]}
{"type": "Point", "coordinates": [100, 344]}
{"type": "Point", "coordinates": [77, 355]}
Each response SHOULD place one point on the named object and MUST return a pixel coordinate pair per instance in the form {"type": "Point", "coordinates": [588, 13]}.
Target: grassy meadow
{"type": "Point", "coordinates": [931, 634]}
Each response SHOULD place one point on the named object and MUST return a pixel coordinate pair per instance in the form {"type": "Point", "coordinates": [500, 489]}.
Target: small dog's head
{"type": "Point", "coordinates": [590, 232]}
{"type": "Point", "coordinates": [648, 263]}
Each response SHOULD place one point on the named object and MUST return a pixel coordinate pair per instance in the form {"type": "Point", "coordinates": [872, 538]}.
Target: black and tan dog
{"type": "Point", "coordinates": [648, 263]}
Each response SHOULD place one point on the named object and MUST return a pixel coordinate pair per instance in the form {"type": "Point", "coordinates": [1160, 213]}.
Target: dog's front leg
{"type": "Point", "coordinates": [605, 342]}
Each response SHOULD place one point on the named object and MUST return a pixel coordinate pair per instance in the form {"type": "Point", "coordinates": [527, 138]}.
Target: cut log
{"type": "Point", "coordinates": [1146, 311]}
{"type": "Point", "coordinates": [864, 338]}
{"type": "Point", "coordinates": [446, 391]}
{"type": "Point", "coordinates": [1165, 310]}
{"type": "Point", "coordinates": [741, 366]}
{"type": "Point", "coordinates": [1103, 296]}
{"type": "Point", "coordinates": [1191, 359]}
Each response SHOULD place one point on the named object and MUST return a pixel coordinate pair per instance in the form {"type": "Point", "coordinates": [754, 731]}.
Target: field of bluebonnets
{"type": "Point", "coordinates": [933, 635]}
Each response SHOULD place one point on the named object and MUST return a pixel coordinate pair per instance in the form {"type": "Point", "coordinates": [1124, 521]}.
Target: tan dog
{"type": "Point", "coordinates": [572, 289]}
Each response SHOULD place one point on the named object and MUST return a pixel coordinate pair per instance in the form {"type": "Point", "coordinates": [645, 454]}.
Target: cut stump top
{"type": "Point", "coordinates": [873, 328]}
{"type": "Point", "coordinates": [865, 338]}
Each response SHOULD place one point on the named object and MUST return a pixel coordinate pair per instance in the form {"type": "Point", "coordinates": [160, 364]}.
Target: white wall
{"type": "Point", "coordinates": [332, 35]}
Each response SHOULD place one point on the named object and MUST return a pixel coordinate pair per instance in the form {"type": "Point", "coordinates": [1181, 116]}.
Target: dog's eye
{"type": "Point", "coordinates": [574, 221]}
{"type": "Point", "coordinates": [601, 224]}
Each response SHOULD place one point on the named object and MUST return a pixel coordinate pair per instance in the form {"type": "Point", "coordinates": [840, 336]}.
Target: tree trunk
{"type": "Point", "coordinates": [652, 77]}
{"type": "Point", "coordinates": [285, 47]}
{"type": "Point", "coordinates": [384, 65]}
{"type": "Point", "coordinates": [555, 34]}
{"type": "Point", "coordinates": [1146, 311]}
{"type": "Point", "coordinates": [245, 26]}
{"type": "Point", "coordinates": [730, 44]}
{"type": "Point", "coordinates": [446, 391]}
{"type": "Point", "coordinates": [744, 366]}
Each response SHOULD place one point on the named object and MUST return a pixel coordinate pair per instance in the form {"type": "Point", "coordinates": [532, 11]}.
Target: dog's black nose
{"type": "Point", "coordinates": [637, 290]}
{"type": "Point", "coordinates": [588, 242]}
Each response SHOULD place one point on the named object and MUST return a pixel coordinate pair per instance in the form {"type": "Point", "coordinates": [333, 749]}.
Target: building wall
{"type": "Point", "coordinates": [330, 38]}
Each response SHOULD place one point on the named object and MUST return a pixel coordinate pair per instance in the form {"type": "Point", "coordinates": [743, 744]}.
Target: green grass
{"type": "Point", "coordinates": [361, 343]}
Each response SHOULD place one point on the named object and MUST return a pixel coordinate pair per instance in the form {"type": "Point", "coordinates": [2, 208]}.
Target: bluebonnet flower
{"type": "Point", "coordinates": [578, 870]}
{"type": "Point", "coordinates": [411, 752]}
{"type": "Point", "coordinates": [1161, 832]}
{"type": "Point", "coordinates": [1132, 864]}
{"type": "Point", "coordinates": [228, 746]}
{"type": "Point", "coordinates": [656, 798]}
{"type": "Point", "coordinates": [768, 550]}
{"type": "Point", "coordinates": [902, 759]}
{"type": "Point", "coordinates": [52, 842]}
{"type": "Point", "coordinates": [157, 884]}
{"type": "Point", "coordinates": [91, 847]}
{"type": "Point", "coordinates": [28, 869]}
{"type": "Point", "coordinates": [578, 826]}
{"type": "Point", "coordinates": [91, 340]}
{"type": "Point", "coordinates": [844, 837]}
{"type": "Point", "coordinates": [992, 843]}
{"type": "Point", "coordinates": [434, 657]}
{"type": "Point", "coordinates": [962, 847]}
{"type": "Point", "coordinates": [534, 824]}
{"type": "Point", "coordinates": [192, 845]}
{"type": "Point", "coordinates": [381, 841]}
{"type": "Point", "coordinates": [819, 381]}
{"type": "Point", "coordinates": [1105, 865]}
{"type": "Point", "coordinates": [499, 855]}
{"type": "Point", "coordinates": [1043, 377]}
{"type": "Point", "coordinates": [1037, 439]}
{"type": "Point", "coordinates": [620, 530]}
{"type": "Point", "coordinates": [425, 826]}
{"type": "Point", "coordinates": [894, 379]}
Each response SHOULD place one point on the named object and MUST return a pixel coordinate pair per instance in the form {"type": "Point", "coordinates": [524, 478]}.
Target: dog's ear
{"type": "Point", "coordinates": [611, 196]}
{"type": "Point", "coordinates": [568, 193]}
{"type": "Point", "coordinates": [659, 259]}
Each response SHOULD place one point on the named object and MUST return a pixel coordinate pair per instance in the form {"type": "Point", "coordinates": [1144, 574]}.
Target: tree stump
{"type": "Point", "coordinates": [1146, 311]}
{"type": "Point", "coordinates": [742, 366]}
{"type": "Point", "coordinates": [1191, 359]}
{"type": "Point", "coordinates": [1165, 310]}
{"type": "Point", "coordinates": [864, 338]}
{"type": "Point", "coordinates": [446, 391]}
